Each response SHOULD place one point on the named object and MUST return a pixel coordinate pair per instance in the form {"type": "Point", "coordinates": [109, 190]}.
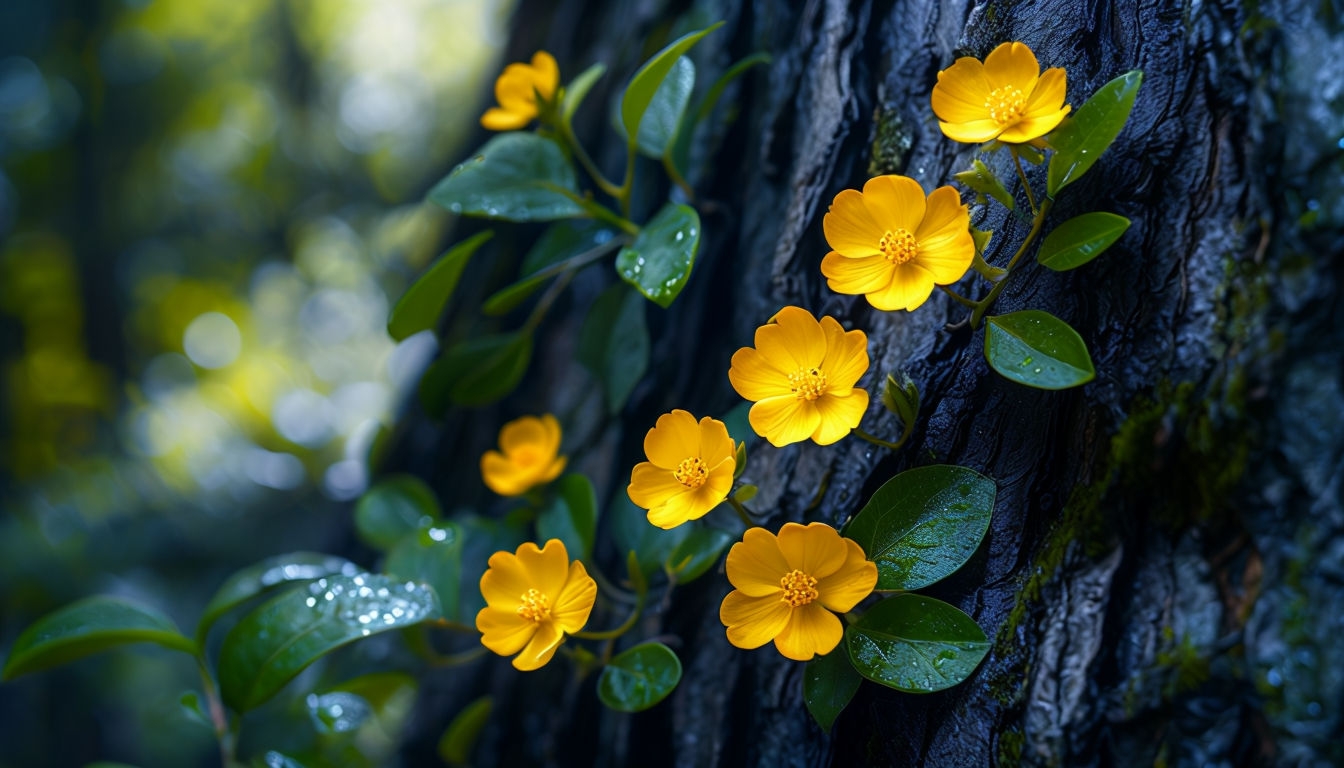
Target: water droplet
{"type": "Point", "coordinates": [311, 602]}
{"type": "Point", "coordinates": [438, 534]}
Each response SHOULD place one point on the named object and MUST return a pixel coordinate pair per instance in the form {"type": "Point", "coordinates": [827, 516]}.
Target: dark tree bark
{"type": "Point", "coordinates": [1162, 577]}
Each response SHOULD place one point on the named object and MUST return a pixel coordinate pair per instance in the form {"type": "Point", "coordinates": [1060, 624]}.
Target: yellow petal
{"type": "Point", "coordinates": [894, 202]}
{"type": "Point", "coordinates": [855, 580]}
{"type": "Point", "coordinates": [754, 378]}
{"type": "Point", "coordinates": [514, 90]}
{"type": "Point", "coordinates": [674, 438]}
{"type": "Point", "coordinates": [502, 476]}
{"type": "Point", "coordinates": [652, 486]}
{"type": "Point", "coordinates": [965, 82]}
{"type": "Point", "coordinates": [849, 228]}
{"type": "Point", "coordinates": [811, 630]}
{"type": "Point", "coordinates": [571, 608]}
{"type": "Point", "coordinates": [546, 73]}
{"type": "Point", "coordinates": [505, 581]}
{"type": "Point", "coordinates": [755, 565]}
{"type": "Point", "coordinates": [972, 132]}
{"type": "Point", "coordinates": [815, 549]}
{"type": "Point", "coordinates": [794, 340]}
{"type": "Point", "coordinates": [540, 649]}
{"type": "Point", "coordinates": [1012, 64]}
{"type": "Point", "coordinates": [910, 286]}
{"type": "Point", "coordinates": [504, 632]}
{"type": "Point", "coordinates": [496, 119]}
{"type": "Point", "coordinates": [551, 472]}
{"type": "Point", "coordinates": [839, 415]}
{"type": "Point", "coordinates": [783, 420]}
{"type": "Point", "coordinates": [547, 568]}
{"type": "Point", "coordinates": [715, 444]}
{"type": "Point", "coordinates": [846, 355]}
{"type": "Point", "coordinates": [720, 480]}
{"type": "Point", "coordinates": [675, 511]}
{"type": "Point", "coordinates": [957, 106]}
{"type": "Point", "coordinates": [1024, 131]}
{"type": "Point", "coordinates": [550, 433]}
{"type": "Point", "coordinates": [1048, 95]}
{"type": "Point", "coordinates": [753, 621]}
{"type": "Point", "coordinates": [526, 432]}
{"type": "Point", "coordinates": [856, 276]}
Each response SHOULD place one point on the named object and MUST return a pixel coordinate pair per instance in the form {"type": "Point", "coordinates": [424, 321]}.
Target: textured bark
{"type": "Point", "coordinates": [1161, 577]}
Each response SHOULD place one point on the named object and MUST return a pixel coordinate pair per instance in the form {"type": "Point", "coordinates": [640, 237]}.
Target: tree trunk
{"type": "Point", "coordinates": [1161, 578]}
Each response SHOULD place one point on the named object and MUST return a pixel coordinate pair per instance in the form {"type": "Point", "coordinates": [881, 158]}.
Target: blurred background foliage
{"type": "Point", "coordinates": [207, 208]}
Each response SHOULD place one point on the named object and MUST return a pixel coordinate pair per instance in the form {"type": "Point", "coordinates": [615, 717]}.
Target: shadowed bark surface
{"type": "Point", "coordinates": [1162, 576]}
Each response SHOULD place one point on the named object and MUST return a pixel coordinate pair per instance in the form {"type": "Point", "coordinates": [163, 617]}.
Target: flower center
{"type": "Point", "coordinates": [899, 246]}
{"type": "Point", "coordinates": [799, 588]}
{"type": "Point", "coordinates": [691, 472]}
{"type": "Point", "coordinates": [807, 383]}
{"type": "Point", "coordinates": [526, 456]}
{"type": "Point", "coordinates": [534, 606]}
{"type": "Point", "coordinates": [1005, 104]}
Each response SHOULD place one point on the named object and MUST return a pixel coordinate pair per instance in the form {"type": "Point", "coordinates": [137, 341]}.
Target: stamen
{"type": "Point", "coordinates": [534, 606]}
{"type": "Point", "coordinates": [799, 588]}
{"type": "Point", "coordinates": [1005, 104]}
{"type": "Point", "coordinates": [807, 383]}
{"type": "Point", "coordinates": [899, 246]}
{"type": "Point", "coordinates": [692, 472]}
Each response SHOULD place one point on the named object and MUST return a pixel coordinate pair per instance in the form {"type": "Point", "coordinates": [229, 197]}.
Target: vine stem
{"type": "Point", "coordinates": [957, 297]}
{"type": "Point", "coordinates": [743, 513]}
{"type": "Point", "coordinates": [567, 133]}
{"type": "Point", "coordinates": [223, 733]}
{"type": "Point", "coordinates": [984, 304]}
{"type": "Point", "coordinates": [612, 634]}
{"type": "Point", "coordinates": [1021, 174]}
{"type": "Point", "coordinates": [875, 440]}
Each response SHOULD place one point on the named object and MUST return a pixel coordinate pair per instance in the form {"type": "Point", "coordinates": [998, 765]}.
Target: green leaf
{"type": "Point", "coordinates": [915, 644]}
{"type": "Point", "coordinates": [86, 627]}
{"type": "Point", "coordinates": [432, 555]}
{"type": "Point", "coordinates": [266, 575]}
{"type": "Point", "coordinates": [422, 305]}
{"type": "Point", "coordinates": [517, 176]}
{"type": "Point", "coordinates": [631, 531]}
{"type": "Point", "coordinates": [696, 554]}
{"type": "Point", "coordinates": [901, 398]}
{"type": "Point", "coordinates": [644, 85]}
{"type": "Point", "coordinates": [278, 640]}
{"type": "Point", "coordinates": [1080, 240]}
{"type": "Point", "coordinates": [394, 508]}
{"type": "Point", "coordinates": [571, 516]}
{"type": "Point", "coordinates": [982, 180]}
{"type": "Point", "coordinates": [476, 372]}
{"type": "Point", "coordinates": [337, 711]}
{"type": "Point", "coordinates": [547, 259]}
{"type": "Point", "coordinates": [458, 740]}
{"type": "Point", "coordinates": [1083, 136]}
{"type": "Point", "coordinates": [923, 524]}
{"type": "Point", "coordinates": [663, 115]}
{"type": "Point", "coordinates": [639, 677]}
{"type": "Point", "coordinates": [660, 259]}
{"type": "Point", "coordinates": [614, 343]}
{"type": "Point", "coordinates": [577, 89]}
{"type": "Point", "coordinates": [190, 702]}
{"type": "Point", "coordinates": [829, 682]}
{"type": "Point", "coordinates": [680, 149]}
{"type": "Point", "coordinates": [745, 493]}
{"type": "Point", "coordinates": [1037, 349]}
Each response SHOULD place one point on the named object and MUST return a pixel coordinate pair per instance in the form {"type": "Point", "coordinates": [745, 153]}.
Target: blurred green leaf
{"type": "Point", "coordinates": [645, 83]}
{"type": "Point", "coordinates": [478, 371]}
{"type": "Point", "coordinates": [275, 759]}
{"type": "Point", "coordinates": [639, 677]}
{"type": "Point", "coordinates": [697, 553]}
{"type": "Point", "coordinates": [660, 260]}
{"type": "Point", "coordinates": [564, 240]}
{"type": "Point", "coordinates": [86, 627]}
{"type": "Point", "coordinates": [1084, 135]}
{"type": "Point", "coordinates": [983, 181]}
{"type": "Point", "coordinates": [829, 682]}
{"type": "Point", "coordinates": [1037, 349]}
{"type": "Point", "coordinates": [422, 305]}
{"type": "Point", "coordinates": [614, 343]}
{"type": "Point", "coordinates": [432, 555]}
{"type": "Point", "coordinates": [680, 150]}
{"type": "Point", "coordinates": [1080, 240]}
{"type": "Point", "coordinates": [395, 507]}
{"type": "Point", "coordinates": [338, 711]}
{"type": "Point", "coordinates": [915, 644]}
{"type": "Point", "coordinates": [517, 176]}
{"type": "Point", "coordinates": [459, 739]}
{"type": "Point", "coordinates": [190, 702]}
{"type": "Point", "coordinates": [266, 575]}
{"type": "Point", "coordinates": [665, 111]}
{"type": "Point", "coordinates": [571, 516]}
{"type": "Point", "coordinates": [577, 89]}
{"type": "Point", "coordinates": [273, 643]}
{"type": "Point", "coordinates": [631, 531]}
{"type": "Point", "coordinates": [745, 493]}
{"type": "Point", "coordinates": [923, 524]}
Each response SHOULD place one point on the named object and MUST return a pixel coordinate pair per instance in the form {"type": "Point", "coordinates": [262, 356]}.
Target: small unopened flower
{"type": "Point", "coordinates": [528, 456]}
{"type": "Point", "coordinates": [533, 598]}
{"type": "Point", "coordinates": [802, 374]}
{"type": "Point", "coordinates": [1006, 98]}
{"type": "Point", "coordinates": [517, 90]}
{"type": "Point", "coordinates": [892, 244]}
{"type": "Point", "coordinates": [689, 471]}
{"type": "Point", "coordinates": [787, 585]}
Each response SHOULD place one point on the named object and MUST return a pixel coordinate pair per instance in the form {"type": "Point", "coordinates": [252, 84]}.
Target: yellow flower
{"type": "Point", "coordinates": [1007, 98]}
{"type": "Point", "coordinates": [529, 459]}
{"type": "Point", "coordinates": [801, 375]}
{"type": "Point", "coordinates": [533, 598]}
{"type": "Point", "coordinates": [787, 586]}
{"type": "Point", "coordinates": [517, 90]}
{"type": "Point", "coordinates": [893, 245]}
{"type": "Point", "coordinates": [689, 471]}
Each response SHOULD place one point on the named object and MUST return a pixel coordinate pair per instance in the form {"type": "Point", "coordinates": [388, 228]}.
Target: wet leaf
{"type": "Point", "coordinates": [639, 678]}
{"type": "Point", "coordinates": [395, 507]}
{"type": "Point", "coordinates": [517, 176]}
{"type": "Point", "coordinates": [646, 82]}
{"type": "Point", "coordinates": [829, 682]}
{"type": "Point", "coordinates": [915, 644]}
{"type": "Point", "coordinates": [1084, 135]}
{"type": "Point", "coordinates": [1037, 349]}
{"type": "Point", "coordinates": [266, 575]}
{"type": "Point", "coordinates": [659, 261]}
{"type": "Point", "coordinates": [422, 305]}
{"type": "Point", "coordinates": [1080, 240]}
{"type": "Point", "coordinates": [432, 555]}
{"type": "Point", "coordinates": [664, 114]}
{"type": "Point", "coordinates": [87, 627]}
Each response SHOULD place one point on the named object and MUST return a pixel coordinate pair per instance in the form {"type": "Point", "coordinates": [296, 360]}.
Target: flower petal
{"type": "Point", "coordinates": [811, 630]}
{"type": "Point", "coordinates": [541, 648]}
{"type": "Point", "coordinates": [547, 568]}
{"type": "Point", "coordinates": [652, 486]}
{"type": "Point", "coordinates": [839, 415]}
{"type": "Point", "coordinates": [1048, 95]}
{"type": "Point", "coordinates": [715, 444]}
{"type": "Point", "coordinates": [894, 202]}
{"type": "Point", "coordinates": [526, 432]}
{"type": "Point", "coordinates": [504, 632]}
{"type": "Point", "coordinates": [793, 340]}
{"type": "Point", "coordinates": [849, 228]}
{"type": "Point", "coordinates": [910, 286]}
{"type": "Point", "coordinates": [783, 420]}
{"type": "Point", "coordinates": [1024, 131]}
{"type": "Point", "coordinates": [754, 378]}
{"type": "Point", "coordinates": [855, 580]}
{"type": "Point", "coordinates": [753, 621]}
{"type": "Point", "coordinates": [971, 132]}
{"type": "Point", "coordinates": [675, 511]}
{"type": "Point", "coordinates": [1012, 64]}
{"type": "Point", "coordinates": [505, 581]}
{"type": "Point", "coordinates": [846, 356]}
{"type": "Point", "coordinates": [856, 276]}
{"type": "Point", "coordinates": [570, 609]}
{"type": "Point", "coordinates": [815, 549]}
{"type": "Point", "coordinates": [965, 83]}
{"type": "Point", "coordinates": [674, 438]}
{"type": "Point", "coordinates": [546, 74]}
{"type": "Point", "coordinates": [503, 476]}
{"type": "Point", "coordinates": [496, 119]}
{"type": "Point", "coordinates": [755, 565]}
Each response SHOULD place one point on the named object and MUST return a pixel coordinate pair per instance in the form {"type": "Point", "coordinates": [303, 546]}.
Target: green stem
{"type": "Point", "coordinates": [957, 297]}
{"type": "Point", "coordinates": [602, 213]}
{"type": "Point", "coordinates": [991, 273]}
{"type": "Point", "coordinates": [743, 513]}
{"type": "Point", "coordinates": [862, 435]}
{"type": "Point", "coordinates": [456, 659]}
{"type": "Point", "coordinates": [1021, 174]}
{"type": "Point", "coordinates": [547, 299]}
{"type": "Point", "coordinates": [612, 634]}
{"type": "Point", "coordinates": [567, 133]}
{"type": "Point", "coordinates": [628, 184]}
{"type": "Point", "coordinates": [984, 304]}
{"type": "Point", "coordinates": [675, 176]}
{"type": "Point", "coordinates": [226, 736]}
